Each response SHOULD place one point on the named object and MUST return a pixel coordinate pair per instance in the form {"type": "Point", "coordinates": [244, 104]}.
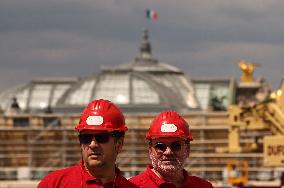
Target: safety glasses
{"type": "Point", "coordinates": [174, 146]}
{"type": "Point", "coordinates": [100, 138]}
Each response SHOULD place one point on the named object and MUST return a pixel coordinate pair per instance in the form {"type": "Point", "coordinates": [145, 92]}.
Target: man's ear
{"type": "Point", "coordinates": [118, 145]}
{"type": "Point", "coordinates": [188, 149]}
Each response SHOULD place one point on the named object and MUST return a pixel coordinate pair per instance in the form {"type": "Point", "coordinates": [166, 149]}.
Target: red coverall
{"type": "Point", "coordinates": [77, 177]}
{"type": "Point", "coordinates": [148, 179]}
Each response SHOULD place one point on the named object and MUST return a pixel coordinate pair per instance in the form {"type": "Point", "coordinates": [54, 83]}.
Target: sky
{"type": "Point", "coordinates": [75, 38]}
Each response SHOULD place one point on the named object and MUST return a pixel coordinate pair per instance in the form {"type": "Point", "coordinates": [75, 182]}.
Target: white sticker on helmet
{"type": "Point", "coordinates": [168, 128]}
{"type": "Point", "coordinates": [95, 120]}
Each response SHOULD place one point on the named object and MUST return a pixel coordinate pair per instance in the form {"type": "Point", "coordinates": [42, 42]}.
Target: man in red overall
{"type": "Point", "coordinates": [169, 146]}
{"type": "Point", "coordinates": [101, 134]}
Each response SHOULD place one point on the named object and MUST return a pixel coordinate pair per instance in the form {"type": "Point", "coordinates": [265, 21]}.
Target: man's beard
{"type": "Point", "coordinates": [168, 166]}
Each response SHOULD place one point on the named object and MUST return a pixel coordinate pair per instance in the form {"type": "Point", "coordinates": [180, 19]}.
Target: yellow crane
{"type": "Point", "coordinates": [267, 115]}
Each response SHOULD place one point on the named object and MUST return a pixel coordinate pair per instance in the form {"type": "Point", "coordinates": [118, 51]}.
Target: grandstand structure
{"type": "Point", "coordinates": [45, 142]}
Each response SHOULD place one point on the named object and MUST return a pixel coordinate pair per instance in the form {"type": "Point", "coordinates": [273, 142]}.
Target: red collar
{"type": "Point", "coordinates": [158, 181]}
{"type": "Point", "coordinates": [88, 178]}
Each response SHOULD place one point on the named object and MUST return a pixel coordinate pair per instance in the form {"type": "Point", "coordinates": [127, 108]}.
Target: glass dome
{"type": "Point", "coordinates": [144, 83]}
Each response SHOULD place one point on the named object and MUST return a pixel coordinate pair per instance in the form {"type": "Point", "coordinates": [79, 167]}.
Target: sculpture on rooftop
{"type": "Point", "coordinates": [247, 70]}
{"type": "Point", "coordinates": [14, 107]}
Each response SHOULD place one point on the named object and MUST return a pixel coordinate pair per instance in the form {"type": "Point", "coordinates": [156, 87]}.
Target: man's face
{"type": "Point", "coordinates": [168, 155]}
{"type": "Point", "coordinates": [99, 149]}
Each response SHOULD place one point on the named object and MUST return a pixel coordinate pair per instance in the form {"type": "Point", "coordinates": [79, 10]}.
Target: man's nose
{"type": "Point", "coordinates": [168, 150]}
{"type": "Point", "coordinates": [93, 143]}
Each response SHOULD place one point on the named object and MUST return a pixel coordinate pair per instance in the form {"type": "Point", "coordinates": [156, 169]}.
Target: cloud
{"type": "Point", "coordinates": [74, 38]}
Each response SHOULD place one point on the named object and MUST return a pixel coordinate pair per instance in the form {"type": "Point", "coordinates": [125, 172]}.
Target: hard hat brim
{"type": "Point", "coordinates": [151, 137]}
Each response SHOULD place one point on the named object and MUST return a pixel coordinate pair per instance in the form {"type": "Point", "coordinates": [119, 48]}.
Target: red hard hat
{"type": "Point", "coordinates": [169, 124]}
{"type": "Point", "coordinates": [101, 115]}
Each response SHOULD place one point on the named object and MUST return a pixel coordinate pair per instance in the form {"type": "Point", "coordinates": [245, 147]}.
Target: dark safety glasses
{"type": "Point", "coordinates": [174, 146]}
{"type": "Point", "coordinates": [100, 138]}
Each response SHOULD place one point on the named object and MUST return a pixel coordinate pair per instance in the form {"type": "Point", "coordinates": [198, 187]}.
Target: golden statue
{"type": "Point", "coordinates": [247, 69]}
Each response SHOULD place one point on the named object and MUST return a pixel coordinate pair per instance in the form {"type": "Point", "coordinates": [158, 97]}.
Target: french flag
{"type": "Point", "coordinates": [151, 14]}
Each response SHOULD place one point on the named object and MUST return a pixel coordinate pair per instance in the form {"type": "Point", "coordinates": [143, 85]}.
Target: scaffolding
{"type": "Point", "coordinates": [33, 145]}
